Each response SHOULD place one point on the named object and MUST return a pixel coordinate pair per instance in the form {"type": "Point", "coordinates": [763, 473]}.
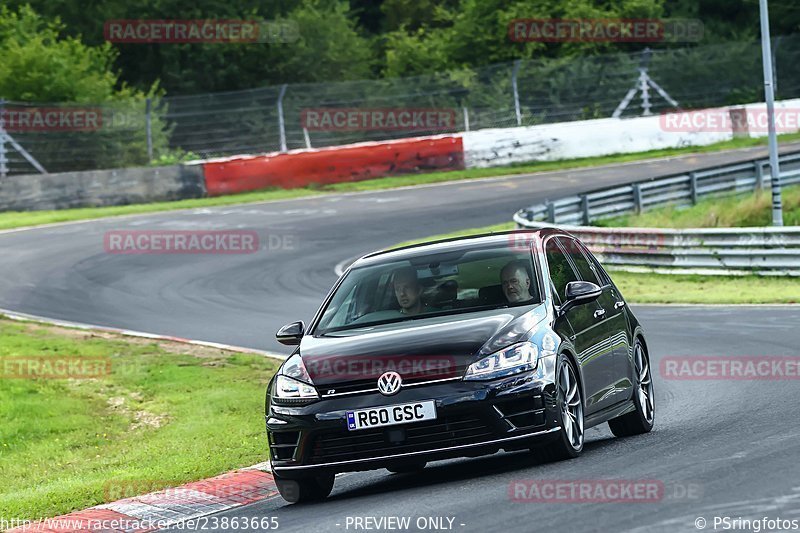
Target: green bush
{"type": "Point", "coordinates": [45, 69]}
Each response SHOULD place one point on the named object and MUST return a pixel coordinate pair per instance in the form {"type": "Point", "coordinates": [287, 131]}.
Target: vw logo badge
{"type": "Point", "coordinates": [389, 383]}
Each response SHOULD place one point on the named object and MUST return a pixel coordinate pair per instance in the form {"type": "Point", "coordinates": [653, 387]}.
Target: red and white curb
{"type": "Point", "coordinates": [24, 317]}
{"type": "Point", "coordinates": [168, 507]}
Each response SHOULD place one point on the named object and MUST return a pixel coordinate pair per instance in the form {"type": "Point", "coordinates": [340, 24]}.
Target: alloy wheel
{"type": "Point", "coordinates": [644, 391]}
{"type": "Point", "coordinates": [572, 406]}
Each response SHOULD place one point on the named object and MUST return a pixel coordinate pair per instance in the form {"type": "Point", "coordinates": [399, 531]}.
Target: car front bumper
{"type": "Point", "coordinates": [472, 418]}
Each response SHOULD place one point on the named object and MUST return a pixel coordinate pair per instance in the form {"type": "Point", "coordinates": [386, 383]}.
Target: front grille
{"type": "Point", "coordinates": [348, 388]}
{"type": "Point", "coordinates": [356, 387]}
{"type": "Point", "coordinates": [343, 445]}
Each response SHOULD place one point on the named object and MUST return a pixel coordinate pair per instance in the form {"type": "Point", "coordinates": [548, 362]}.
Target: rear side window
{"type": "Point", "coordinates": [586, 270]}
{"type": "Point", "coordinates": [561, 271]}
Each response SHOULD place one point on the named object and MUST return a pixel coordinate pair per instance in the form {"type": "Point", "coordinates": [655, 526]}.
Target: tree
{"type": "Point", "coordinates": [43, 67]}
{"type": "Point", "coordinates": [39, 65]}
{"type": "Point", "coordinates": [475, 33]}
{"type": "Point", "coordinates": [331, 46]}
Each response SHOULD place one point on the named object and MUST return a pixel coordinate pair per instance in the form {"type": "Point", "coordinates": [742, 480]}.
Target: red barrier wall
{"type": "Point", "coordinates": [333, 165]}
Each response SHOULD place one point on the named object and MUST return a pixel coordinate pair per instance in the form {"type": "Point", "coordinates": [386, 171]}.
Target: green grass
{"type": "Point", "coordinates": [17, 219]}
{"type": "Point", "coordinates": [11, 220]}
{"type": "Point", "coordinates": [166, 414]}
{"type": "Point", "coordinates": [675, 288]}
{"type": "Point", "coordinates": [749, 210]}
{"type": "Point", "coordinates": [691, 289]}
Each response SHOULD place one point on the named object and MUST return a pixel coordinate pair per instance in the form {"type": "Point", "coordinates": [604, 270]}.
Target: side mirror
{"type": "Point", "coordinates": [580, 292]}
{"type": "Point", "coordinates": [290, 334]}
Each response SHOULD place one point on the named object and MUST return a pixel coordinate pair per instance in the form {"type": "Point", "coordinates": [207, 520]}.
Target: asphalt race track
{"type": "Point", "coordinates": [724, 448]}
{"type": "Point", "coordinates": [64, 272]}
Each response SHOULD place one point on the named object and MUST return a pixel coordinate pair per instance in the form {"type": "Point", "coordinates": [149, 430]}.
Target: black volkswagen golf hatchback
{"type": "Point", "coordinates": [461, 347]}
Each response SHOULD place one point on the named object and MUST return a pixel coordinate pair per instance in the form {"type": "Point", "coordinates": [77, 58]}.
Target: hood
{"type": "Point", "coordinates": [419, 349]}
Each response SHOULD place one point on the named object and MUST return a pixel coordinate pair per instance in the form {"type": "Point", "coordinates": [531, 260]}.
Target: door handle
{"type": "Point", "coordinates": [599, 313]}
{"type": "Point", "coordinates": [619, 304]}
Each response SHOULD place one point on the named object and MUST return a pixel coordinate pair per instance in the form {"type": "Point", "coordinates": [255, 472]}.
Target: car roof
{"type": "Point", "coordinates": [450, 244]}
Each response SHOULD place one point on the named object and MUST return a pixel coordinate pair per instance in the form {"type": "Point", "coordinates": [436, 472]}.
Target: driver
{"type": "Point", "coordinates": [516, 282]}
{"type": "Point", "coordinates": [408, 291]}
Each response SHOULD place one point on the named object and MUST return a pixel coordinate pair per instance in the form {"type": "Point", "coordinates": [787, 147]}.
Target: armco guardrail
{"type": "Point", "coordinates": [762, 251]}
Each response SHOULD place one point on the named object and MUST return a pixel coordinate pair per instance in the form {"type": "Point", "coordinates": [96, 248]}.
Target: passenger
{"type": "Point", "coordinates": [408, 291]}
{"type": "Point", "coordinates": [516, 282]}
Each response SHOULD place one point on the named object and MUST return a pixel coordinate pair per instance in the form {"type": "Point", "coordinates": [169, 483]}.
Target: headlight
{"type": "Point", "coordinates": [293, 381]}
{"type": "Point", "coordinates": [512, 360]}
{"type": "Point", "coordinates": [286, 387]}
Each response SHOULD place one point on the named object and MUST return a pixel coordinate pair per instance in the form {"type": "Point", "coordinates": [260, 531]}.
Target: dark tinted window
{"type": "Point", "coordinates": [576, 252]}
{"type": "Point", "coordinates": [431, 285]}
{"type": "Point", "coordinates": [561, 271]}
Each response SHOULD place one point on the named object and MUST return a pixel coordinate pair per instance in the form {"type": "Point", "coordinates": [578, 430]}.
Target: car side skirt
{"type": "Point", "coordinates": [612, 411]}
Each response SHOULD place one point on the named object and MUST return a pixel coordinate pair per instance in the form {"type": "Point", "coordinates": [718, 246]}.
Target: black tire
{"type": "Point", "coordinates": [407, 468]}
{"type": "Point", "coordinates": [568, 444]}
{"type": "Point", "coordinates": [642, 419]}
{"type": "Point", "coordinates": [305, 490]}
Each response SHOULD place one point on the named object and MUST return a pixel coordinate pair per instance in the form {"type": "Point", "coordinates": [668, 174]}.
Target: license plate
{"type": "Point", "coordinates": [391, 415]}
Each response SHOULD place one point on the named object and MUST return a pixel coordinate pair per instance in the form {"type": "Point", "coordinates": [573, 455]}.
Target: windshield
{"type": "Point", "coordinates": [432, 285]}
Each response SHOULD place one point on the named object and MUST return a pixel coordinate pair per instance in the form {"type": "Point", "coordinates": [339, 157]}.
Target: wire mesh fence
{"type": "Point", "coordinates": [62, 137]}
